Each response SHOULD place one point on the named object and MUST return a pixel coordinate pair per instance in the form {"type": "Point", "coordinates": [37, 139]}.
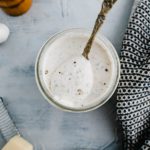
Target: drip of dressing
{"type": "Point", "coordinates": [73, 79]}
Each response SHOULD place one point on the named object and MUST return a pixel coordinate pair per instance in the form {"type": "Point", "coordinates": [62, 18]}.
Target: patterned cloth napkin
{"type": "Point", "coordinates": [133, 94]}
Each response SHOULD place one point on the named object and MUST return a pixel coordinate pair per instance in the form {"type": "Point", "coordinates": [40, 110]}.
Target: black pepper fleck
{"type": "Point", "coordinates": [106, 70]}
{"type": "Point", "coordinates": [60, 73]}
{"type": "Point", "coordinates": [79, 91]}
{"type": "Point", "coordinates": [46, 71]}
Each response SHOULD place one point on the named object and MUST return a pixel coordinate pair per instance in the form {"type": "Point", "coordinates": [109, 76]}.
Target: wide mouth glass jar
{"type": "Point", "coordinates": [104, 61]}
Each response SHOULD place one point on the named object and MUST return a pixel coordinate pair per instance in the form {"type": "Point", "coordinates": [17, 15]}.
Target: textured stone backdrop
{"type": "Point", "coordinates": [43, 125]}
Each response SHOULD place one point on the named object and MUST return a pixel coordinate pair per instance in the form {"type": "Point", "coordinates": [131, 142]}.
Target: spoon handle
{"type": "Point", "coordinates": [106, 6]}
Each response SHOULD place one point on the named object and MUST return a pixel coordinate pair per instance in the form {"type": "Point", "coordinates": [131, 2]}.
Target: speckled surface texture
{"type": "Point", "coordinates": [43, 125]}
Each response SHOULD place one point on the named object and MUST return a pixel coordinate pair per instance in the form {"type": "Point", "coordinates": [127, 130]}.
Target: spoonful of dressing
{"type": "Point", "coordinates": [74, 77]}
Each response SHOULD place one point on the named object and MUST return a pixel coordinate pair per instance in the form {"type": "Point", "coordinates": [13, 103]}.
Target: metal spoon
{"type": "Point", "coordinates": [106, 6]}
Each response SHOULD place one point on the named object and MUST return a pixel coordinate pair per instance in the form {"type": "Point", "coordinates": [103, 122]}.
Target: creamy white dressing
{"type": "Point", "coordinates": [77, 85]}
{"type": "Point", "coordinates": [73, 79]}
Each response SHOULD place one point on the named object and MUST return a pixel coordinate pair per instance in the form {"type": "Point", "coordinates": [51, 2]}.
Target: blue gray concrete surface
{"type": "Point", "coordinates": [43, 125]}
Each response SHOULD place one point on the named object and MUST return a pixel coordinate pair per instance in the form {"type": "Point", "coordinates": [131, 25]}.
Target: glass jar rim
{"type": "Point", "coordinates": [45, 93]}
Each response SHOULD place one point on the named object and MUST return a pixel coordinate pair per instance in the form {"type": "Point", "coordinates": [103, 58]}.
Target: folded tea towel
{"type": "Point", "coordinates": [133, 94]}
